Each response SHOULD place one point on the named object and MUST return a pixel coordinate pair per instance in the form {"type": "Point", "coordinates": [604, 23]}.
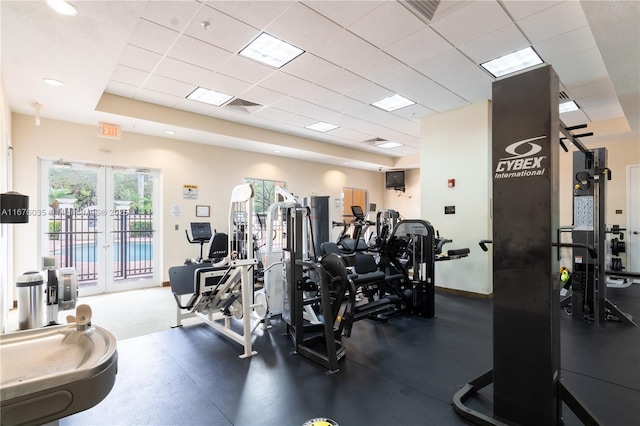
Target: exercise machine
{"type": "Point", "coordinates": [217, 295]}
{"type": "Point", "coordinates": [588, 299]}
{"type": "Point", "coordinates": [312, 296]}
{"type": "Point", "coordinates": [275, 240]}
{"type": "Point", "coordinates": [526, 375]}
{"type": "Point", "coordinates": [200, 234]}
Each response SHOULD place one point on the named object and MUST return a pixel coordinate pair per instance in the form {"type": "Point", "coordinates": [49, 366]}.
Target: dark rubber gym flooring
{"type": "Point", "coordinates": [402, 372]}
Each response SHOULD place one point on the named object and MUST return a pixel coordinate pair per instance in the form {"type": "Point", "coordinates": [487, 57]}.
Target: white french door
{"type": "Point", "coordinates": [103, 222]}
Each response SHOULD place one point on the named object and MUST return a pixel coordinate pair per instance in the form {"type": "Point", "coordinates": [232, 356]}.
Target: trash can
{"type": "Point", "coordinates": [30, 300]}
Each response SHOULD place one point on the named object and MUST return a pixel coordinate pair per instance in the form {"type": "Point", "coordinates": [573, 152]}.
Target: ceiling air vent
{"type": "Point", "coordinates": [243, 105]}
{"type": "Point", "coordinates": [423, 9]}
{"type": "Point", "coordinates": [373, 141]}
{"type": "Point", "coordinates": [564, 96]}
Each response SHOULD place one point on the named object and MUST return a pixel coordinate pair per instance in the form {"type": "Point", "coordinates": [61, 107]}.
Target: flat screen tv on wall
{"type": "Point", "coordinates": [394, 180]}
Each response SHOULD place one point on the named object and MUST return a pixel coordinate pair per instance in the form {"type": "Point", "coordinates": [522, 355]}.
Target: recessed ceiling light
{"type": "Point", "coordinates": [271, 51]}
{"type": "Point", "coordinates": [512, 62]}
{"type": "Point", "coordinates": [62, 7]}
{"type": "Point", "coordinates": [388, 144]}
{"type": "Point", "coordinates": [321, 126]}
{"type": "Point", "coordinates": [393, 103]}
{"type": "Point", "coordinates": [207, 96]}
{"type": "Point", "coordinates": [53, 82]}
{"type": "Point", "coordinates": [568, 106]}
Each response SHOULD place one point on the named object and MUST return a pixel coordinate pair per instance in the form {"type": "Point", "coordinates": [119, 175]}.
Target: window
{"type": "Point", "coordinates": [264, 196]}
{"type": "Point", "coordinates": [264, 193]}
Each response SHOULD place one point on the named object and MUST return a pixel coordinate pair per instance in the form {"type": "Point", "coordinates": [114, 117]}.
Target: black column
{"type": "Point", "coordinates": [525, 215]}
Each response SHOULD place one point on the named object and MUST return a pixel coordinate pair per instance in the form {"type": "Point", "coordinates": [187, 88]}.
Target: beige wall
{"type": "Point", "coordinates": [455, 145]}
{"type": "Point", "coordinates": [406, 203]}
{"type": "Point", "coordinates": [462, 151]}
{"type": "Point", "coordinates": [214, 170]}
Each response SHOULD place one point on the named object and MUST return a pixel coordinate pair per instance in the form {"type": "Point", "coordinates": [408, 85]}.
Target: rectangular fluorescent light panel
{"type": "Point", "coordinates": [207, 96]}
{"type": "Point", "coordinates": [271, 51]}
{"type": "Point", "coordinates": [512, 62]}
{"type": "Point", "coordinates": [388, 144]}
{"type": "Point", "coordinates": [321, 126]}
{"type": "Point", "coordinates": [568, 106]}
{"type": "Point", "coordinates": [393, 103]}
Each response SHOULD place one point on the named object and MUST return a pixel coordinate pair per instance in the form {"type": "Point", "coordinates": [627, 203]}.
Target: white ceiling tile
{"type": "Point", "coordinates": [342, 81]}
{"type": "Point", "coordinates": [418, 46]}
{"type": "Point", "coordinates": [598, 100]}
{"type": "Point", "coordinates": [374, 115]}
{"type": "Point", "coordinates": [135, 57]}
{"type": "Point", "coordinates": [259, 14]}
{"type": "Point", "coordinates": [344, 13]}
{"type": "Point", "coordinates": [376, 65]}
{"type": "Point", "coordinates": [178, 70]}
{"type": "Point", "coordinates": [403, 80]}
{"type": "Point", "coordinates": [309, 67]}
{"type": "Point", "coordinates": [194, 106]}
{"type": "Point", "coordinates": [120, 89]}
{"type": "Point", "coordinates": [472, 22]}
{"type": "Point", "coordinates": [351, 135]}
{"type": "Point", "coordinates": [566, 44]}
{"type": "Point", "coordinates": [282, 116]}
{"type": "Point", "coordinates": [169, 86]}
{"type": "Point", "coordinates": [343, 104]}
{"type": "Point", "coordinates": [261, 95]}
{"type": "Point", "coordinates": [285, 83]}
{"type": "Point", "coordinates": [128, 75]}
{"type": "Point", "coordinates": [562, 18]}
{"type": "Point", "coordinates": [596, 88]}
{"type": "Point", "coordinates": [225, 84]}
{"type": "Point", "coordinates": [521, 9]}
{"type": "Point", "coordinates": [582, 68]}
{"type": "Point", "coordinates": [171, 14]}
{"type": "Point", "coordinates": [414, 112]}
{"type": "Point", "coordinates": [505, 40]}
{"type": "Point", "coordinates": [345, 49]}
{"type": "Point", "coordinates": [387, 24]}
{"type": "Point", "coordinates": [574, 118]}
{"type": "Point", "coordinates": [317, 94]}
{"type": "Point", "coordinates": [228, 114]}
{"type": "Point", "coordinates": [223, 31]}
{"type": "Point", "coordinates": [197, 52]}
{"type": "Point", "coordinates": [471, 84]}
{"type": "Point", "coordinates": [293, 26]}
{"type": "Point", "coordinates": [245, 69]}
{"type": "Point", "coordinates": [154, 37]}
{"type": "Point", "coordinates": [604, 112]}
{"type": "Point", "coordinates": [444, 64]}
{"type": "Point", "coordinates": [157, 98]}
{"type": "Point", "coordinates": [437, 98]}
{"type": "Point", "coordinates": [369, 93]}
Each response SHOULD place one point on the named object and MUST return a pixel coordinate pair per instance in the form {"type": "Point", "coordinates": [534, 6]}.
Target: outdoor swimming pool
{"type": "Point", "coordinates": [135, 251]}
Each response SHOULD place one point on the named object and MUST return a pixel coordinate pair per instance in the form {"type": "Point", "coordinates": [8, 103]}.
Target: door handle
{"type": "Point", "coordinates": [636, 232]}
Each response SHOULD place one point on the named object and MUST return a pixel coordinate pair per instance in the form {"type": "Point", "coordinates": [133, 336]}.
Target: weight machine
{"type": "Point", "coordinates": [588, 299]}
{"type": "Point", "coordinates": [219, 294]}
{"type": "Point", "coordinates": [312, 296]}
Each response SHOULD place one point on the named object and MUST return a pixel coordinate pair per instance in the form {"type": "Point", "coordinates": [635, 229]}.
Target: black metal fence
{"type": "Point", "coordinates": [73, 241]}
